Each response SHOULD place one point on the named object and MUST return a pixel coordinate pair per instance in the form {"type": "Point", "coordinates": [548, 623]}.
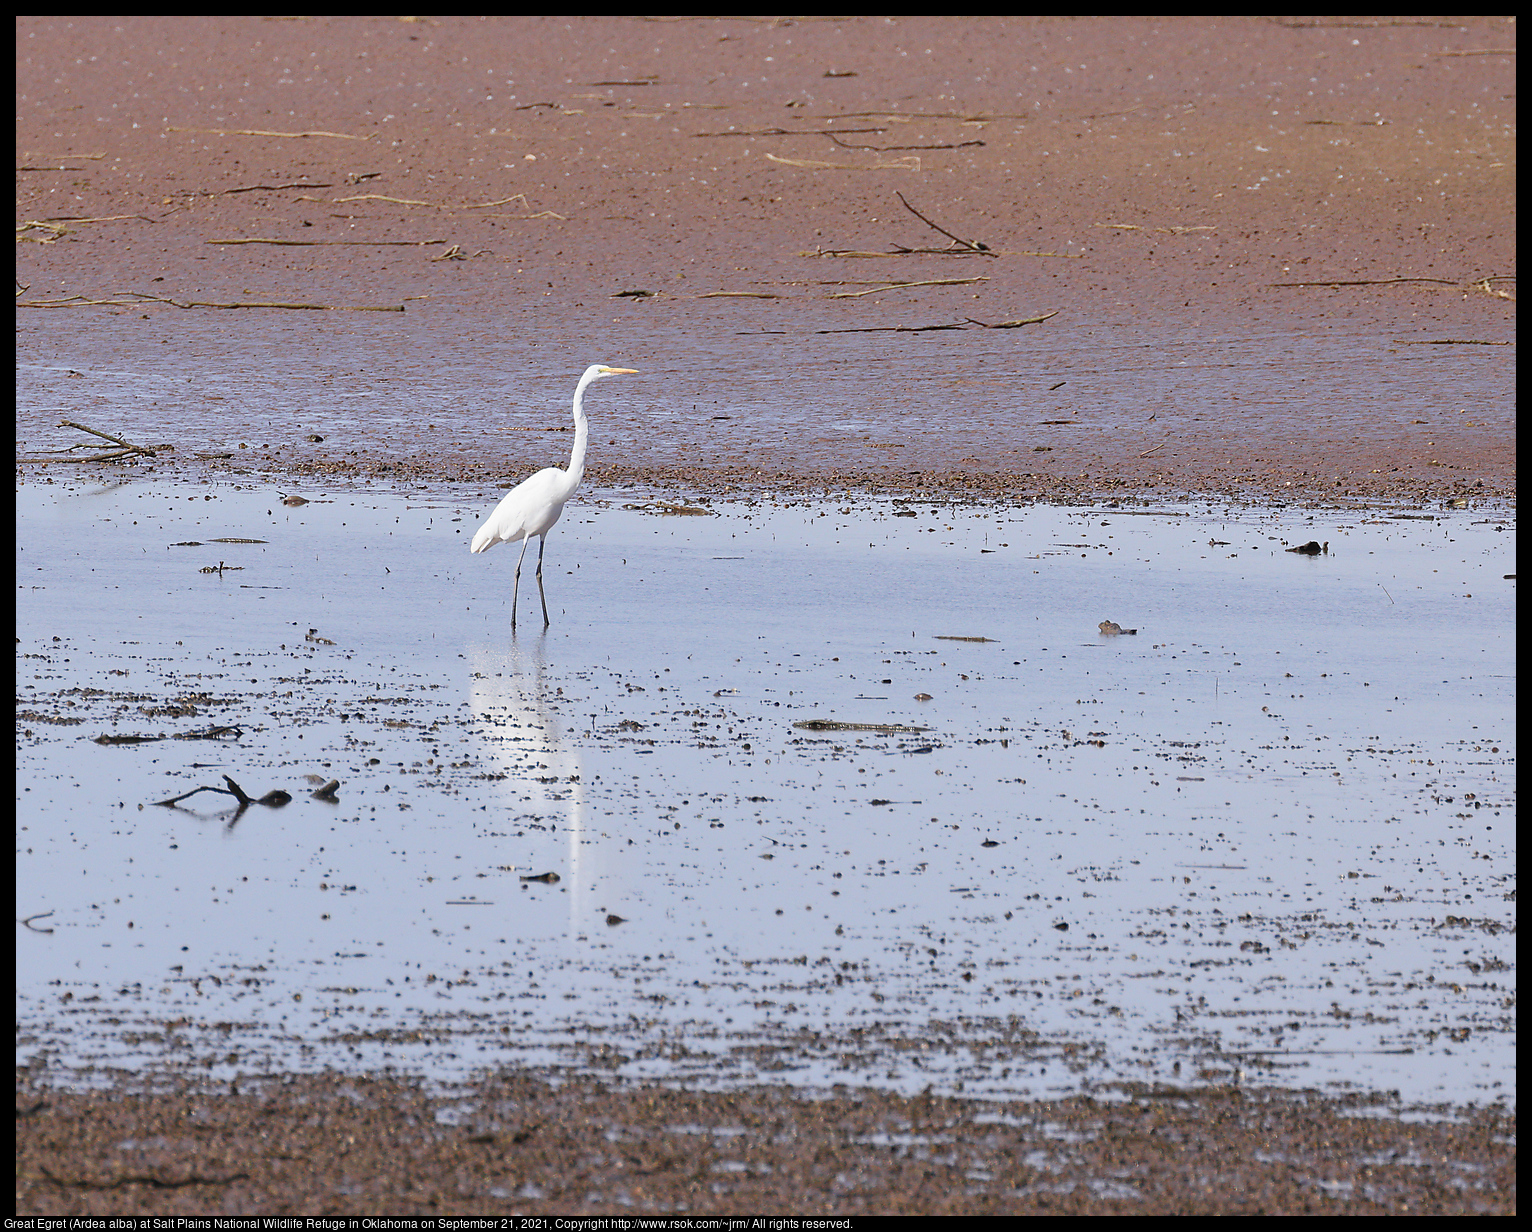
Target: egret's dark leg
{"type": "Point", "coordinates": [542, 542]}
{"type": "Point", "coordinates": [516, 585]}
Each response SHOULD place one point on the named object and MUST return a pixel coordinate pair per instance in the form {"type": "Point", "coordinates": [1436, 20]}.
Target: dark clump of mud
{"type": "Point", "coordinates": [519, 1143]}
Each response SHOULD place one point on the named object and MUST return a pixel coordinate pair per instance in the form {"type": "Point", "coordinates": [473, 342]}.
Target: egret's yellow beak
{"type": "Point", "coordinates": [605, 371]}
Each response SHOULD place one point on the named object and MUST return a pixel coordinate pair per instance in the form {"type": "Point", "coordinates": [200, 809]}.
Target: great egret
{"type": "Point", "coordinates": [534, 504]}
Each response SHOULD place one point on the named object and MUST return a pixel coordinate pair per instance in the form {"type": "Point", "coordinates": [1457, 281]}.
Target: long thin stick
{"type": "Point", "coordinates": [261, 132]}
{"type": "Point", "coordinates": [899, 286]}
{"type": "Point", "coordinates": [1364, 282]}
{"type": "Point", "coordinates": [321, 243]}
{"type": "Point", "coordinates": [973, 244]}
{"type": "Point", "coordinates": [118, 456]}
{"type": "Point", "coordinates": [201, 303]}
{"type": "Point", "coordinates": [921, 329]}
{"type": "Point", "coordinates": [116, 440]}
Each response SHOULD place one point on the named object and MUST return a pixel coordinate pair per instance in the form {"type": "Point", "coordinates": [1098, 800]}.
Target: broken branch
{"type": "Point", "coordinates": [975, 245]}
{"type": "Point", "coordinates": [116, 440]}
{"type": "Point", "coordinates": [273, 799]}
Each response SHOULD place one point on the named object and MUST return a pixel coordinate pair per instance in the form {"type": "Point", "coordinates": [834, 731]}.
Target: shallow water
{"type": "Point", "coordinates": [1126, 406]}
{"type": "Point", "coordinates": [1268, 837]}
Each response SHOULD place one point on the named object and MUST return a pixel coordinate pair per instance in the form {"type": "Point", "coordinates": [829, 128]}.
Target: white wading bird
{"type": "Point", "coordinates": [534, 504]}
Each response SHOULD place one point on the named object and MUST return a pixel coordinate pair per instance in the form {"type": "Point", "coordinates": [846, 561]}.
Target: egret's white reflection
{"type": "Point", "coordinates": [523, 734]}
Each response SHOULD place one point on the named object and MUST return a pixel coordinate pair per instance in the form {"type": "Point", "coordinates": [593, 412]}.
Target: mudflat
{"type": "Point", "coordinates": [522, 1143]}
{"type": "Point", "coordinates": [1275, 257]}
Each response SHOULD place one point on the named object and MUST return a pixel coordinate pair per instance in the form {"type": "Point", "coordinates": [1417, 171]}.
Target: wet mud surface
{"type": "Point", "coordinates": [1213, 916]}
{"type": "Point", "coordinates": [514, 1143]}
{"type": "Point", "coordinates": [666, 199]}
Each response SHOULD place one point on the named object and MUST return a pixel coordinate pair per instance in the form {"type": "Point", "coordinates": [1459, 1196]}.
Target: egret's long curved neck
{"type": "Point", "coordinates": [576, 468]}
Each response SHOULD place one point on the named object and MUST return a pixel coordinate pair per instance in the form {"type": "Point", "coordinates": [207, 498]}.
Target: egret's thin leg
{"type": "Point", "coordinates": [542, 542]}
{"type": "Point", "coordinates": [516, 585]}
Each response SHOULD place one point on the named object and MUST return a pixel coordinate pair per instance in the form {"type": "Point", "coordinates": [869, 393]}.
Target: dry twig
{"type": "Point", "coordinates": [261, 132]}
{"type": "Point", "coordinates": [924, 329]}
{"type": "Point", "coordinates": [974, 245]}
{"type": "Point", "coordinates": [143, 297]}
{"type": "Point", "coordinates": [128, 448]}
{"type": "Point", "coordinates": [1363, 282]}
{"type": "Point", "coordinates": [319, 243]}
{"type": "Point", "coordinates": [884, 149]}
{"type": "Point", "coordinates": [910, 162]}
{"type": "Point", "coordinates": [269, 188]}
{"type": "Point", "coordinates": [899, 286]}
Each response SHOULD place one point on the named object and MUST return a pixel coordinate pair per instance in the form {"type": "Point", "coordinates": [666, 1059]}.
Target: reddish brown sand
{"type": "Point", "coordinates": [1157, 173]}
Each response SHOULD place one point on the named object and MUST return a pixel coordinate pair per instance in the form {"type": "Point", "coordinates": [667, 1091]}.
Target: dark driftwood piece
{"type": "Point", "coordinates": [127, 450]}
{"type": "Point", "coordinates": [272, 799]}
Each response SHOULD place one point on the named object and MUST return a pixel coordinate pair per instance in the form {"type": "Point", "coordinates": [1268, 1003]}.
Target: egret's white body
{"type": "Point", "coordinates": [534, 504]}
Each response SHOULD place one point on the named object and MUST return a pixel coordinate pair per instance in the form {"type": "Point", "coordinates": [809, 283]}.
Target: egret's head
{"type": "Point", "coordinates": [597, 371]}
